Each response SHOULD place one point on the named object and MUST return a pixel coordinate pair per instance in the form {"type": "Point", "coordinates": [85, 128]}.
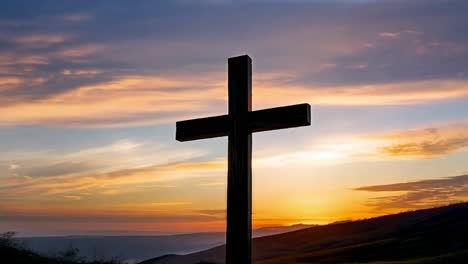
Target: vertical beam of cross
{"type": "Point", "coordinates": [239, 183]}
{"type": "Point", "coordinates": [239, 125]}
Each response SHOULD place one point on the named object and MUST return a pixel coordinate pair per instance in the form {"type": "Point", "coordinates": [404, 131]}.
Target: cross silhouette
{"type": "Point", "coordinates": [239, 125]}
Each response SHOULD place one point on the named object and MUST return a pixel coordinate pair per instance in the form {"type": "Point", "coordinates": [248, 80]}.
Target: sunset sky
{"type": "Point", "coordinates": [90, 92]}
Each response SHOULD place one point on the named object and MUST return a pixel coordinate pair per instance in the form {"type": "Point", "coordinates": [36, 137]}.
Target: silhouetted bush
{"type": "Point", "coordinates": [7, 239]}
{"type": "Point", "coordinates": [69, 254]}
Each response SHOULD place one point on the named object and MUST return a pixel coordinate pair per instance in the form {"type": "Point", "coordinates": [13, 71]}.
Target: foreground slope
{"type": "Point", "coordinates": [438, 235]}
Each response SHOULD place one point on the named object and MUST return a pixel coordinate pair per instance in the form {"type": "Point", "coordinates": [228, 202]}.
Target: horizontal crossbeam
{"type": "Point", "coordinates": [200, 128]}
{"type": "Point", "coordinates": [258, 121]}
{"type": "Point", "coordinates": [279, 118]}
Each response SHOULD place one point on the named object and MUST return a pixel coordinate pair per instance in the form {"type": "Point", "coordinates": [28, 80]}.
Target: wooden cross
{"type": "Point", "coordinates": [239, 125]}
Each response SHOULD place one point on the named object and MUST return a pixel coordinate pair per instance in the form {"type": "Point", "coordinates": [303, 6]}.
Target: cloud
{"type": "Point", "coordinates": [318, 154]}
{"type": "Point", "coordinates": [40, 39]}
{"type": "Point", "coordinates": [419, 194]}
{"type": "Point", "coordinates": [137, 100]}
{"type": "Point", "coordinates": [79, 169]}
{"type": "Point", "coordinates": [97, 183]}
{"type": "Point", "coordinates": [107, 217]}
{"type": "Point", "coordinates": [8, 58]}
{"type": "Point", "coordinates": [8, 83]}
{"type": "Point", "coordinates": [145, 42]}
{"type": "Point", "coordinates": [365, 94]}
{"type": "Point", "coordinates": [13, 166]}
{"type": "Point", "coordinates": [214, 212]}
{"type": "Point", "coordinates": [427, 142]}
{"type": "Point", "coordinates": [389, 34]}
{"type": "Point", "coordinates": [129, 199]}
{"type": "Point", "coordinates": [342, 61]}
{"type": "Point", "coordinates": [80, 72]}
{"type": "Point", "coordinates": [80, 51]}
{"type": "Point", "coordinates": [144, 99]}
{"type": "Point", "coordinates": [57, 168]}
{"type": "Point", "coordinates": [398, 34]}
{"type": "Point", "coordinates": [417, 143]}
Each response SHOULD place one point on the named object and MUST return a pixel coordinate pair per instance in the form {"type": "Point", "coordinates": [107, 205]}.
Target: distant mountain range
{"type": "Point", "coordinates": [138, 248]}
{"type": "Point", "coordinates": [128, 248]}
{"type": "Point", "coordinates": [438, 235]}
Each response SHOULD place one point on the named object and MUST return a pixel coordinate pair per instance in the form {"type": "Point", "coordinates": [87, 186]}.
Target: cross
{"type": "Point", "coordinates": [239, 125]}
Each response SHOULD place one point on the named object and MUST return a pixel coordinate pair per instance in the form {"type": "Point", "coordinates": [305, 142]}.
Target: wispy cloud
{"type": "Point", "coordinates": [418, 143]}
{"type": "Point", "coordinates": [12, 59]}
{"type": "Point", "coordinates": [83, 199]}
{"type": "Point", "coordinates": [389, 34]}
{"type": "Point", "coordinates": [127, 100]}
{"type": "Point", "coordinates": [97, 183]}
{"type": "Point", "coordinates": [80, 51]}
{"type": "Point", "coordinates": [108, 217]}
{"type": "Point", "coordinates": [419, 194]}
{"type": "Point", "coordinates": [161, 71]}
{"type": "Point", "coordinates": [426, 143]}
{"type": "Point", "coordinates": [41, 39]}
{"type": "Point", "coordinates": [79, 73]}
{"type": "Point", "coordinates": [367, 94]}
{"type": "Point", "coordinates": [136, 100]}
{"type": "Point", "coordinates": [106, 170]}
{"type": "Point", "coordinates": [69, 168]}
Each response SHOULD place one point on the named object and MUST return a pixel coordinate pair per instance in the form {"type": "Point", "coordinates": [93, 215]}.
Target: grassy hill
{"type": "Point", "coordinates": [438, 235]}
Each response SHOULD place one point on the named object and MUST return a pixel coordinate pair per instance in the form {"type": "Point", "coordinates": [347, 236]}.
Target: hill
{"type": "Point", "coordinates": [13, 253]}
{"type": "Point", "coordinates": [137, 248]}
{"type": "Point", "coordinates": [438, 235]}
{"type": "Point", "coordinates": [127, 248]}
{"type": "Point", "coordinates": [273, 230]}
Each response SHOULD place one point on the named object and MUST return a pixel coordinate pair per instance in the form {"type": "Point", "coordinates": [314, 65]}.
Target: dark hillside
{"type": "Point", "coordinates": [438, 235]}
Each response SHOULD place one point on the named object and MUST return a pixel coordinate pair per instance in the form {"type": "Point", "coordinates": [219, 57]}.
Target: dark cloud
{"type": "Point", "coordinates": [420, 194]}
{"type": "Point", "coordinates": [53, 47]}
{"type": "Point", "coordinates": [418, 185]}
{"type": "Point", "coordinates": [161, 35]}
